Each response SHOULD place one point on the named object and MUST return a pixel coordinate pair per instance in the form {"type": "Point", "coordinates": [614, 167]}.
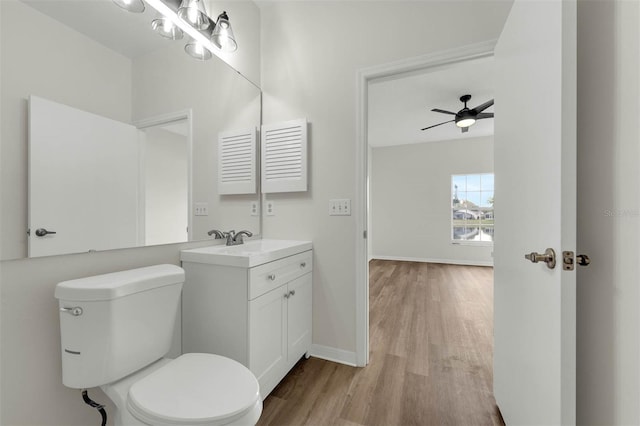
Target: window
{"type": "Point", "coordinates": [472, 208]}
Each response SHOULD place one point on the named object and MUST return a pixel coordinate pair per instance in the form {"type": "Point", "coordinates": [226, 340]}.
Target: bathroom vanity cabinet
{"type": "Point", "coordinates": [259, 315]}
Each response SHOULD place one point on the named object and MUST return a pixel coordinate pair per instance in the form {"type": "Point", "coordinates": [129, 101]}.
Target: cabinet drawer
{"type": "Point", "coordinates": [272, 275]}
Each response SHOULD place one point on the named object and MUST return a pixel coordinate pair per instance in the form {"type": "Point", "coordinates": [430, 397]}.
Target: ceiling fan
{"type": "Point", "coordinates": [465, 117]}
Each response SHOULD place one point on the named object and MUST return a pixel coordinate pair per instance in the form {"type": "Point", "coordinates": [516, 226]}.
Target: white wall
{"type": "Point", "coordinates": [30, 364]}
{"type": "Point", "coordinates": [220, 101]}
{"type": "Point", "coordinates": [411, 199]}
{"type": "Point", "coordinates": [101, 84]}
{"type": "Point", "coordinates": [608, 213]}
{"type": "Point", "coordinates": [311, 52]}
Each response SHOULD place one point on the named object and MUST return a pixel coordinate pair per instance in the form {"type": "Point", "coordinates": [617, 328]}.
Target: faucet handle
{"type": "Point", "coordinates": [218, 234]}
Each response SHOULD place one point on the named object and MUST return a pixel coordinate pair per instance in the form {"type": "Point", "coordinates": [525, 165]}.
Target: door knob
{"type": "Point", "coordinates": [41, 232]}
{"type": "Point", "coordinates": [549, 257]}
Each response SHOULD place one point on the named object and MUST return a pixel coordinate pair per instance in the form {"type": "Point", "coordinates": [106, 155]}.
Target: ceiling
{"type": "Point", "coordinates": [101, 20]}
{"type": "Point", "coordinates": [399, 106]}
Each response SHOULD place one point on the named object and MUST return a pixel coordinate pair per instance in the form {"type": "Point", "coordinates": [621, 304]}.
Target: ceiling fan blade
{"type": "Point", "coordinates": [484, 115]}
{"type": "Point", "coordinates": [484, 106]}
{"type": "Point", "coordinates": [443, 111]}
{"type": "Point", "coordinates": [465, 129]}
{"type": "Point", "coordinates": [439, 124]}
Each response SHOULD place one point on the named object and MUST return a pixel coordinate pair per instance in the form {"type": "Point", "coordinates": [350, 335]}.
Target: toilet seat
{"type": "Point", "coordinates": [196, 389]}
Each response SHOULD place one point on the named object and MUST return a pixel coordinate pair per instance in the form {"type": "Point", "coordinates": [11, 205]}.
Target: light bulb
{"type": "Point", "coordinates": [222, 35]}
{"type": "Point", "coordinates": [466, 122]}
{"type": "Point", "coordinates": [192, 15]}
{"type": "Point", "coordinates": [197, 50]}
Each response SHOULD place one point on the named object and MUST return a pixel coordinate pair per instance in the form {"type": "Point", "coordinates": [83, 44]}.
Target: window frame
{"type": "Point", "coordinates": [451, 225]}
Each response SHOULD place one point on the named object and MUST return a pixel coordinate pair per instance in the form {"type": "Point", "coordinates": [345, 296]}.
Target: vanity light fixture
{"type": "Point", "coordinates": [194, 13]}
{"type": "Point", "coordinates": [196, 50]}
{"type": "Point", "coordinates": [222, 35]}
{"type": "Point", "coordinates": [135, 6]}
{"type": "Point", "coordinates": [207, 36]}
{"type": "Point", "coordinates": [167, 29]}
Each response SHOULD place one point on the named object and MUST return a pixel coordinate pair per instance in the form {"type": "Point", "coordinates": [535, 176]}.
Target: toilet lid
{"type": "Point", "coordinates": [195, 389]}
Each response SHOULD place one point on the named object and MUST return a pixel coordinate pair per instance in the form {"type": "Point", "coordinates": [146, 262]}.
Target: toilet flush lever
{"type": "Point", "coordinates": [76, 311]}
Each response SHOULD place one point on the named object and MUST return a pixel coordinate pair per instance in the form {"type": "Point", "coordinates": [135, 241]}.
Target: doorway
{"type": "Point", "coordinates": [430, 223]}
{"type": "Point", "coordinates": [363, 163]}
{"type": "Point", "coordinates": [165, 178]}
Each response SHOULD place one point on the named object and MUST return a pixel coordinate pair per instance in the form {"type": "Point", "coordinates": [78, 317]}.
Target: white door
{"type": "Point", "coordinates": [83, 180]}
{"type": "Point", "coordinates": [535, 209]}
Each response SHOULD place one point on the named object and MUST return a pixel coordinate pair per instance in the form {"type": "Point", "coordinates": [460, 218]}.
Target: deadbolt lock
{"type": "Point", "coordinates": [549, 257]}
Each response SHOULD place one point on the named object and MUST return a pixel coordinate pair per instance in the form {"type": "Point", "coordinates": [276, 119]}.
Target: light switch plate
{"type": "Point", "coordinates": [201, 209]}
{"type": "Point", "coordinates": [340, 207]}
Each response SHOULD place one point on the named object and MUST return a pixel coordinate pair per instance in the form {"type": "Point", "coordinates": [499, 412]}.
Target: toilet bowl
{"type": "Point", "coordinates": [193, 389]}
{"type": "Point", "coordinates": [115, 330]}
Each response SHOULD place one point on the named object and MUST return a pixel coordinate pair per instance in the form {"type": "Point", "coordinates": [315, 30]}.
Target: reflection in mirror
{"type": "Point", "coordinates": [96, 60]}
{"type": "Point", "coordinates": [164, 166]}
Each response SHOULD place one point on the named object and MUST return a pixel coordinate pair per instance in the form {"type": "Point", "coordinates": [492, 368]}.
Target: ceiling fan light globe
{"type": "Point", "coordinates": [466, 122]}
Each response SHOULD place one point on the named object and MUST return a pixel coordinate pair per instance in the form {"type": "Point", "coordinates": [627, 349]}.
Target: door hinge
{"type": "Point", "coordinates": [364, 234]}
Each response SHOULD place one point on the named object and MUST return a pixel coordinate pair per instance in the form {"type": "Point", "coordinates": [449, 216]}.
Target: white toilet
{"type": "Point", "coordinates": [115, 330]}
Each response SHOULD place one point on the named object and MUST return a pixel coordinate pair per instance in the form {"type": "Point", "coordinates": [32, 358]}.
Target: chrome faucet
{"type": "Point", "coordinates": [233, 239]}
{"type": "Point", "coordinates": [218, 234]}
{"type": "Point", "coordinates": [238, 237]}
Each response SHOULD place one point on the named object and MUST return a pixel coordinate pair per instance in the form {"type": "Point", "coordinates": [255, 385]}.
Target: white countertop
{"type": "Point", "coordinates": [247, 255]}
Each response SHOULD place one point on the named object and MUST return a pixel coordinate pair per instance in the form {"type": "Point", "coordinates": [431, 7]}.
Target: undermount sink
{"type": "Point", "coordinates": [247, 255]}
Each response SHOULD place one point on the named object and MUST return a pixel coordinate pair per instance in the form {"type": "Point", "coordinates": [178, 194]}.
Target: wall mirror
{"type": "Point", "coordinates": [110, 132]}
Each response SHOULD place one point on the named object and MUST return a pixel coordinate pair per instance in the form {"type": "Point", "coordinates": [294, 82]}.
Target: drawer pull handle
{"type": "Point", "coordinates": [303, 265]}
{"type": "Point", "coordinates": [272, 277]}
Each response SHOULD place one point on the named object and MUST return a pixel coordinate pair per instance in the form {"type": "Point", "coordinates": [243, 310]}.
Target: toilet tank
{"type": "Point", "coordinates": [114, 324]}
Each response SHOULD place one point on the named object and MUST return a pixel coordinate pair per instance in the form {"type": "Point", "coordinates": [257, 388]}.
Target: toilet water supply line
{"type": "Point", "coordinates": [95, 405]}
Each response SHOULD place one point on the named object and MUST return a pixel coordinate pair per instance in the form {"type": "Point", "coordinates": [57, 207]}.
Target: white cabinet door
{"type": "Point", "coordinates": [299, 318]}
{"type": "Point", "coordinates": [535, 171]}
{"type": "Point", "coordinates": [268, 337]}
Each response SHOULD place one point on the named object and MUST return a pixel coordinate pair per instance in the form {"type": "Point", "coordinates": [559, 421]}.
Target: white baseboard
{"type": "Point", "coordinates": [427, 260]}
{"type": "Point", "coordinates": [332, 354]}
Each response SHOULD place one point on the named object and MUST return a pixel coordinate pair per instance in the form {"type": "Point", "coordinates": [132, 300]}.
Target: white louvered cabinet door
{"type": "Point", "coordinates": [284, 156]}
{"type": "Point", "coordinates": [237, 162]}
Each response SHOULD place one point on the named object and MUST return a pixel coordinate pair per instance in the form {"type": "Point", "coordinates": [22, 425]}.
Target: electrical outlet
{"type": "Point", "coordinates": [255, 208]}
{"type": "Point", "coordinates": [340, 207]}
{"type": "Point", "coordinates": [270, 208]}
{"type": "Point", "coordinates": [201, 209]}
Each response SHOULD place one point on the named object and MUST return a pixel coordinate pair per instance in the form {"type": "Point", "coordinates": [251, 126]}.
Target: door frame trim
{"type": "Point", "coordinates": [361, 205]}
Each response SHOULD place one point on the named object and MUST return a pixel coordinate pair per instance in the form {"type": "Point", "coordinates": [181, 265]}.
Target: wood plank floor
{"type": "Point", "coordinates": [431, 342]}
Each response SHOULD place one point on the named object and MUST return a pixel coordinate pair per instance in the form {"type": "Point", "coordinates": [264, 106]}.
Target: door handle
{"type": "Point", "coordinates": [549, 257]}
{"type": "Point", "coordinates": [41, 232]}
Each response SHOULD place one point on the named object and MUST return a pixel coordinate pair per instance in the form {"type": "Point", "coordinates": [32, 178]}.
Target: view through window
{"type": "Point", "coordinates": [472, 207]}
